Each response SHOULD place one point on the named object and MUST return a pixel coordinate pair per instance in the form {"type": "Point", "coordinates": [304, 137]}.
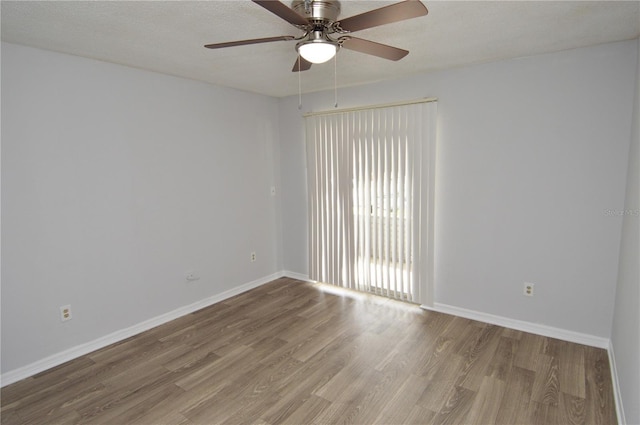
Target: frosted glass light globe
{"type": "Point", "coordinates": [317, 52]}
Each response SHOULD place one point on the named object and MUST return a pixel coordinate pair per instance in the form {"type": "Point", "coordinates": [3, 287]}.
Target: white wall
{"type": "Point", "coordinates": [625, 335]}
{"type": "Point", "coordinates": [115, 182]}
{"type": "Point", "coordinates": [531, 153]}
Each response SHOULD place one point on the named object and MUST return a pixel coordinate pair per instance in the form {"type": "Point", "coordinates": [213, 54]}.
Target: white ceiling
{"type": "Point", "coordinates": [168, 37]}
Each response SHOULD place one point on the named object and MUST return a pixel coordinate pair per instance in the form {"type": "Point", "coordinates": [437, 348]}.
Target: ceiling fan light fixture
{"type": "Point", "coordinates": [317, 51]}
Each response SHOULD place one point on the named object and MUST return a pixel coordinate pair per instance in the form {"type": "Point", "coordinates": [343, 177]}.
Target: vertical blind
{"type": "Point", "coordinates": [371, 186]}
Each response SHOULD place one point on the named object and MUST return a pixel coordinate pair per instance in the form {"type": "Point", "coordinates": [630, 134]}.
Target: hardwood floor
{"type": "Point", "coordinates": [292, 352]}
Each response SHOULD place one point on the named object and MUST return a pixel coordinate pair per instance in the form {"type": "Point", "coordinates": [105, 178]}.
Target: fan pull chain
{"type": "Point", "coordinates": [299, 86]}
{"type": "Point", "coordinates": [335, 80]}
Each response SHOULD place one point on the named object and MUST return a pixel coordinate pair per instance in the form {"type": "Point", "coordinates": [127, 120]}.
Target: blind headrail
{"type": "Point", "coordinates": [369, 107]}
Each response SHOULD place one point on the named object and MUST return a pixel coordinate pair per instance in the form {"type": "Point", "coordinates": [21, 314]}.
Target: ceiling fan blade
{"type": "Point", "coordinates": [283, 11]}
{"type": "Point", "coordinates": [385, 15]}
{"type": "Point", "coordinates": [375, 49]}
{"type": "Point", "coordinates": [301, 64]}
{"type": "Point", "coordinates": [252, 41]}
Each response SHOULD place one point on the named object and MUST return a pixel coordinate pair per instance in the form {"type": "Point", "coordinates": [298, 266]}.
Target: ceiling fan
{"type": "Point", "coordinates": [323, 34]}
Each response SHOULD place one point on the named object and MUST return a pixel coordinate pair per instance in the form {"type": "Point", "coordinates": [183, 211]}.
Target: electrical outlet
{"type": "Point", "coordinates": [528, 289]}
{"type": "Point", "coordinates": [65, 313]}
{"type": "Point", "coordinates": [253, 257]}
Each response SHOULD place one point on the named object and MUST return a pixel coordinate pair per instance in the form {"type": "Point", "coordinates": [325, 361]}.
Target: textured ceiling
{"type": "Point", "coordinates": [168, 37]}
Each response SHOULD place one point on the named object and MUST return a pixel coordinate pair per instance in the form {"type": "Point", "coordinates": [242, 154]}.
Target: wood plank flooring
{"type": "Point", "coordinates": [296, 353]}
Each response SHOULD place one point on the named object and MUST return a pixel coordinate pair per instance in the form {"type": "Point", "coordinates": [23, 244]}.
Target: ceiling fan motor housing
{"type": "Point", "coordinates": [317, 11]}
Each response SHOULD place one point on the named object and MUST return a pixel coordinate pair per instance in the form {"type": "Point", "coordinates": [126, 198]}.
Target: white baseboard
{"type": "Point", "coordinates": [82, 349]}
{"type": "Point", "coordinates": [616, 385]}
{"type": "Point", "coordinates": [520, 325]}
{"type": "Point", "coordinates": [299, 276]}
